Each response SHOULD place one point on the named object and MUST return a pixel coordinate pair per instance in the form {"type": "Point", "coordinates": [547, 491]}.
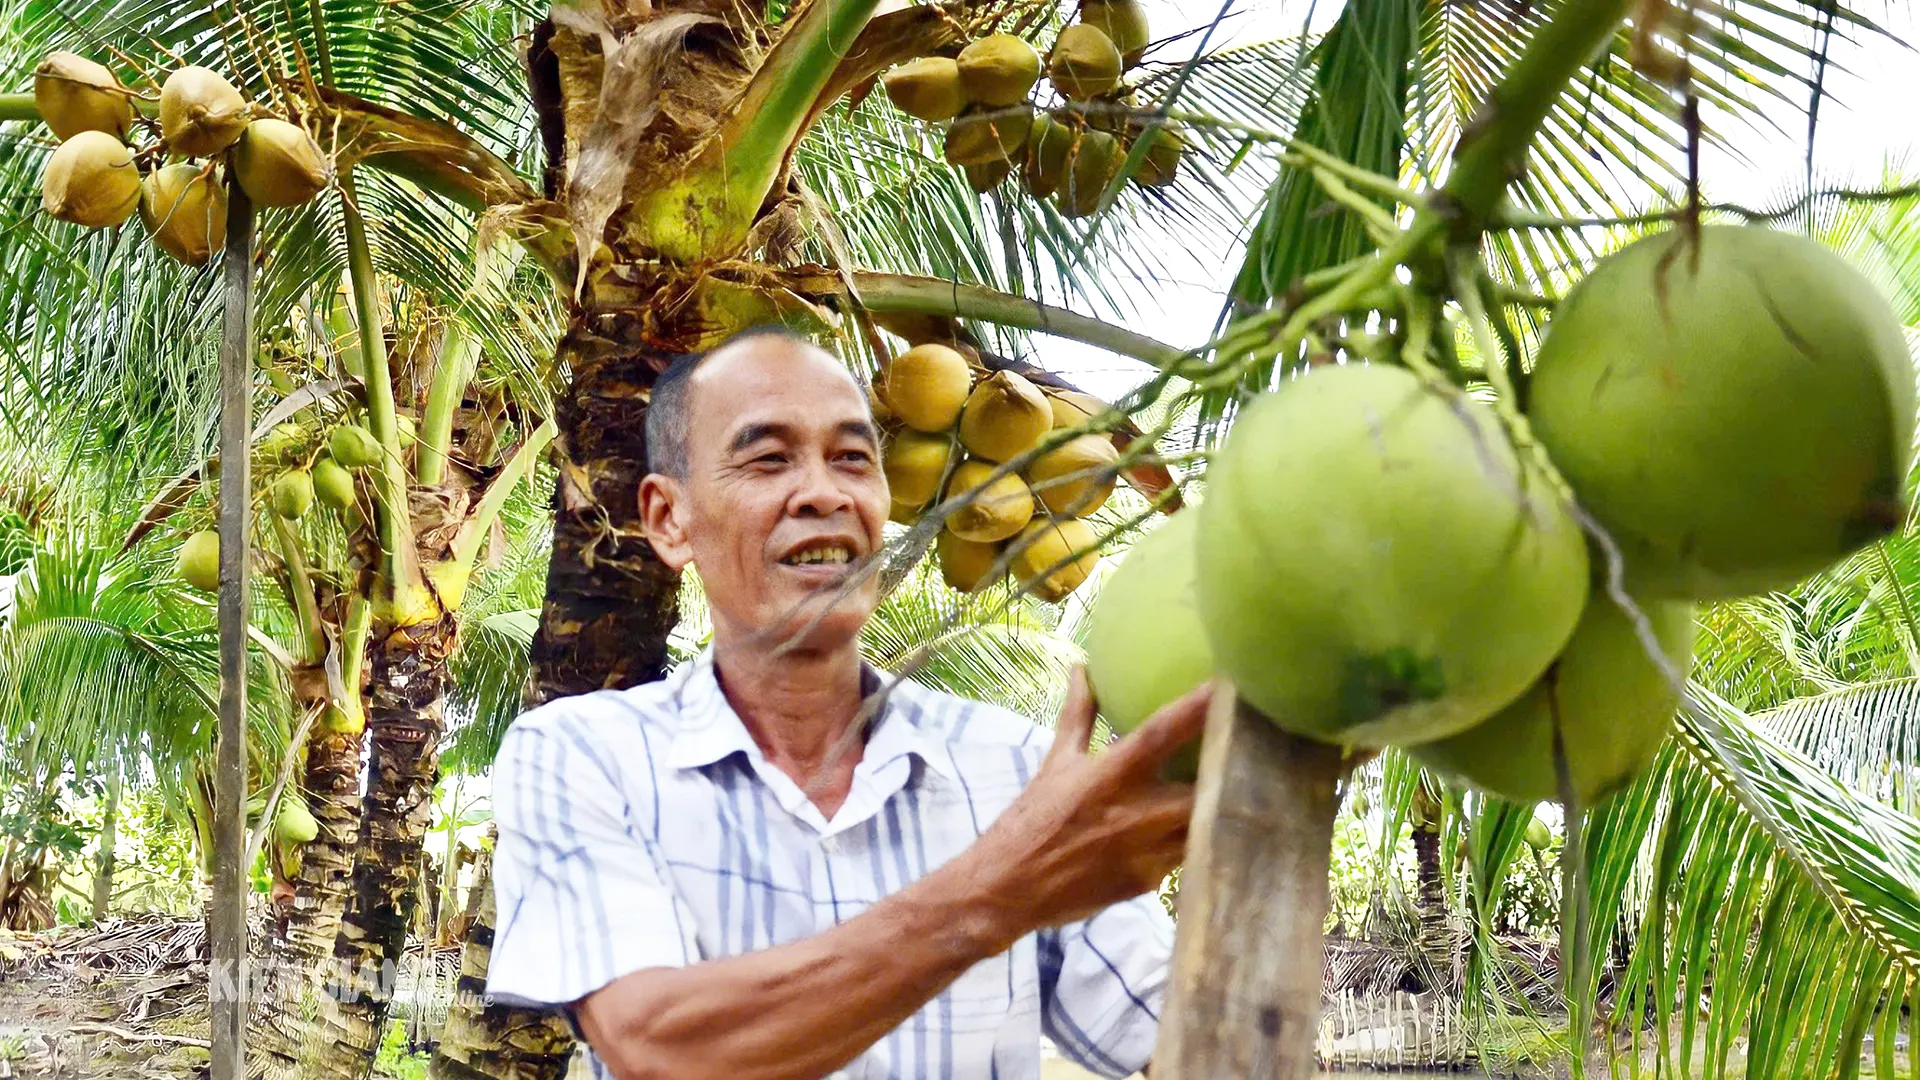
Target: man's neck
{"type": "Point", "coordinates": [801, 707]}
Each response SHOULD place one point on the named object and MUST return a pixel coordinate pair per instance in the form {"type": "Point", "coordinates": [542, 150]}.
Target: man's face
{"type": "Point", "coordinates": [783, 495]}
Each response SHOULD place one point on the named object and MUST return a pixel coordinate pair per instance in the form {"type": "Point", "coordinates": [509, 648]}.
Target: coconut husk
{"type": "Point", "coordinates": [1096, 158]}
{"type": "Point", "coordinates": [1076, 477]}
{"type": "Point", "coordinates": [927, 89]}
{"type": "Point", "coordinates": [185, 210]}
{"type": "Point", "coordinates": [1124, 22]}
{"type": "Point", "coordinates": [73, 94]}
{"type": "Point", "coordinates": [915, 463]}
{"type": "Point", "coordinates": [333, 484]}
{"type": "Point", "coordinates": [1084, 63]}
{"type": "Point", "coordinates": [91, 180]}
{"type": "Point", "coordinates": [201, 113]}
{"type": "Point", "coordinates": [984, 136]}
{"type": "Point", "coordinates": [279, 164]}
{"type": "Point", "coordinates": [926, 386]}
{"type": "Point", "coordinates": [1048, 541]}
{"type": "Point", "coordinates": [293, 495]}
{"type": "Point", "coordinates": [964, 565]}
{"type": "Point", "coordinates": [998, 70]}
{"type": "Point", "coordinates": [353, 446]}
{"type": "Point", "coordinates": [993, 510]}
{"type": "Point", "coordinates": [1049, 153]}
{"type": "Point", "coordinates": [200, 561]}
{"type": "Point", "coordinates": [1005, 417]}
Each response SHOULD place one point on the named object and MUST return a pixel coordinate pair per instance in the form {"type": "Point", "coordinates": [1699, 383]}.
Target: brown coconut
{"type": "Point", "coordinates": [1005, 417]}
{"type": "Point", "coordinates": [999, 69]}
{"type": "Point", "coordinates": [1054, 555]}
{"type": "Point", "coordinates": [1076, 477]}
{"type": "Point", "coordinates": [992, 511]}
{"type": "Point", "coordinates": [1084, 63]}
{"type": "Point", "coordinates": [201, 113]}
{"type": "Point", "coordinates": [928, 88]}
{"type": "Point", "coordinates": [1165, 148]}
{"type": "Point", "coordinates": [91, 180]}
{"type": "Point", "coordinates": [279, 164]}
{"type": "Point", "coordinates": [73, 94]}
{"type": "Point", "coordinates": [915, 463]}
{"type": "Point", "coordinates": [1049, 153]}
{"type": "Point", "coordinates": [964, 565]}
{"type": "Point", "coordinates": [1096, 159]}
{"type": "Point", "coordinates": [1124, 22]}
{"type": "Point", "coordinates": [984, 178]}
{"type": "Point", "coordinates": [185, 210]}
{"type": "Point", "coordinates": [926, 386]}
{"type": "Point", "coordinates": [987, 135]}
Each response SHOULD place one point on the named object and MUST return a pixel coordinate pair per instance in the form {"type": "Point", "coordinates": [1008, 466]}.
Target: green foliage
{"type": "Point", "coordinates": [396, 1059]}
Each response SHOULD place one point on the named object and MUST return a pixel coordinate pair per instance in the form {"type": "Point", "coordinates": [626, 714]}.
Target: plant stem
{"type": "Point", "coordinates": [459, 354]}
{"type": "Point", "coordinates": [300, 588]}
{"type": "Point", "coordinates": [353, 654]}
{"type": "Point", "coordinates": [891, 293]}
{"type": "Point", "coordinates": [473, 533]}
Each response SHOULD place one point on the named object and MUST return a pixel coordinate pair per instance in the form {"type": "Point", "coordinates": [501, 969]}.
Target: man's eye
{"type": "Point", "coordinates": [770, 459]}
{"type": "Point", "coordinates": [860, 456]}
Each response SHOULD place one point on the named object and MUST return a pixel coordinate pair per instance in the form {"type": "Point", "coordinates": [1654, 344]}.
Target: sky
{"type": "Point", "coordinates": [1870, 116]}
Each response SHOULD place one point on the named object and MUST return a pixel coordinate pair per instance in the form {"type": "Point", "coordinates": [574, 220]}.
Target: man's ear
{"type": "Point", "coordinates": [662, 514]}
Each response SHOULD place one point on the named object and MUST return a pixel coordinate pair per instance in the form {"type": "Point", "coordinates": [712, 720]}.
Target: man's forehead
{"type": "Point", "coordinates": [771, 379]}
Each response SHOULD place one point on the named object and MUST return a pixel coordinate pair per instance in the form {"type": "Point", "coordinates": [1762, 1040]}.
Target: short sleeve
{"type": "Point", "coordinates": [1104, 981]}
{"type": "Point", "coordinates": [580, 892]}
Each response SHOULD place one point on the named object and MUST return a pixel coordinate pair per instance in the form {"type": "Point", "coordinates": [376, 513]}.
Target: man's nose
{"type": "Point", "coordinates": [822, 492]}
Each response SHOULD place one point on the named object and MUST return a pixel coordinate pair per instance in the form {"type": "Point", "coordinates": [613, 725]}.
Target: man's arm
{"type": "Point", "coordinates": [1088, 831]}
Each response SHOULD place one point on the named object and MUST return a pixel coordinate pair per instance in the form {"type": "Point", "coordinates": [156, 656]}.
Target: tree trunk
{"type": "Point", "coordinates": [109, 822]}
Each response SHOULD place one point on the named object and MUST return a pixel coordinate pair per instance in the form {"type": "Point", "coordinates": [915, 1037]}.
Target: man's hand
{"type": "Point", "coordinates": [1092, 830]}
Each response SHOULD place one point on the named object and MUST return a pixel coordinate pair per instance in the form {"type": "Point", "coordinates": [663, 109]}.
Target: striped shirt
{"type": "Point", "coordinates": [644, 828]}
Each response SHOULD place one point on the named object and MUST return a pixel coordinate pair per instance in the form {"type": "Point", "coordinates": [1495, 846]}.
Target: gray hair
{"type": "Point", "coordinates": [670, 404]}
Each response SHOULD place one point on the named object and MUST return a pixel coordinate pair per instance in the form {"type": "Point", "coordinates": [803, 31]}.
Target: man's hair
{"type": "Point", "coordinates": [671, 401]}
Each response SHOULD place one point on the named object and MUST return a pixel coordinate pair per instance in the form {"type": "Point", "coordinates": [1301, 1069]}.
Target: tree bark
{"type": "Point", "coordinates": [109, 823]}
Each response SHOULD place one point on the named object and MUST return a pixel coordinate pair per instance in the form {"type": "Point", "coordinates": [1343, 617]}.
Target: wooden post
{"type": "Point", "coordinates": [227, 997]}
{"type": "Point", "coordinates": [1244, 1003]}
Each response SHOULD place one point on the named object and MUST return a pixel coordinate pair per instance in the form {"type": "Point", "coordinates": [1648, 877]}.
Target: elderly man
{"type": "Point", "coordinates": [739, 872]}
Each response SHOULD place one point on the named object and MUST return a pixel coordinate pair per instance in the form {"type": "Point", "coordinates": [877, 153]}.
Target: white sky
{"type": "Point", "coordinates": [1871, 116]}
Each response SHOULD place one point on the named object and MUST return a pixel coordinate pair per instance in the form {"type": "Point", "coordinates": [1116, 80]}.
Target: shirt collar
{"type": "Point", "coordinates": [709, 730]}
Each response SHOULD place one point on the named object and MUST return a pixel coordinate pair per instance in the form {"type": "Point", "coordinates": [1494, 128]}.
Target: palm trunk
{"type": "Point", "coordinates": [109, 823]}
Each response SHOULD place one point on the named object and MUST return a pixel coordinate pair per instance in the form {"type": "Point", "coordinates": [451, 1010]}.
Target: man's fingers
{"type": "Point", "coordinates": [1174, 726]}
{"type": "Point", "coordinates": [1074, 730]}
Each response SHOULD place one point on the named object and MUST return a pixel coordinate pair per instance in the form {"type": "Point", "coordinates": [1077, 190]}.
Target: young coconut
{"type": "Point", "coordinates": [1165, 147]}
{"type": "Point", "coordinates": [1049, 153]}
{"type": "Point", "coordinates": [927, 89]}
{"type": "Point", "coordinates": [333, 484]}
{"type": "Point", "coordinates": [984, 178]}
{"type": "Point", "coordinates": [1076, 477]}
{"type": "Point", "coordinates": [293, 823]}
{"type": "Point", "coordinates": [1330, 510]}
{"type": "Point", "coordinates": [200, 561]}
{"type": "Point", "coordinates": [964, 565]}
{"type": "Point", "coordinates": [184, 207]}
{"type": "Point", "coordinates": [998, 70]}
{"type": "Point", "coordinates": [1123, 21]}
{"type": "Point", "coordinates": [926, 386]}
{"type": "Point", "coordinates": [73, 94]}
{"type": "Point", "coordinates": [987, 135]}
{"type": "Point", "coordinates": [1539, 837]}
{"type": "Point", "coordinates": [1072, 409]}
{"type": "Point", "coordinates": [293, 495]}
{"type": "Point", "coordinates": [201, 113]}
{"type": "Point", "coordinates": [1614, 705]}
{"type": "Point", "coordinates": [353, 446]}
{"type": "Point", "coordinates": [1084, 63]}
{"type": "Point", "coordinates": [915, 463]}
{"type": "Point", "coordinates": [91, 180]}
{"type": "Point", "coordinates": [1758, 367]}
{"type": "Point", "coordinates": [993, 511]}
{"type": "Point", "coordinates": [1005, 417]}
{"type": "Point", "coordinates": [279, 164]}
{"type": "Point", "coordinates": [1052, 556]}
{"type": "Point", "coordinates": [1096, 158]}
{"type": "Point", "coordinates": [1146, 645]}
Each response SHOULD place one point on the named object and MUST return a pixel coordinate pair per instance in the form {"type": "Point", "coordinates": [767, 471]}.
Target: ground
{"type": "Point", "coordinates": [63, 1029]}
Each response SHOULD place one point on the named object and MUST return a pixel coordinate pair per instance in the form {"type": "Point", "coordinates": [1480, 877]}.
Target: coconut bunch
{"type": "Point", "coordinates": [951, 427]}
{"type": "Point", "coordinates": [984, 95]}
{"type": "Point", "coordinates": [208, 135]}
{"type": "Point", "coordinates": [1380, 562]}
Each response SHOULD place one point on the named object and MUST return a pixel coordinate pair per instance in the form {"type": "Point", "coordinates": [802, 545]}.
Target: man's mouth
{"type": "Point", "coordinates": [826, 554]}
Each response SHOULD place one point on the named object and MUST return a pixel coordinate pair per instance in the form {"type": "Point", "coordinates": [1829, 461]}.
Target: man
{"type": "Point", "coordinates": [738, 872]}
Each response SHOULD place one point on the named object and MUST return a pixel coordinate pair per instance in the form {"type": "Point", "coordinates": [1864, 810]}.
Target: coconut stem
{"type": "Point", "coordinates": [466, 546]}
{"type": "Point", "coordinates": [906, 294]}
{"type": "Point", "coordinates": [300, 590]}
{"type": "Point", "coordinates": [459, 353]}
{"type": "Point", "coordinates": [353, 653]}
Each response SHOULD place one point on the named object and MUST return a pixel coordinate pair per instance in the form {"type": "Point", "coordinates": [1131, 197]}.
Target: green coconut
{"type": "Point", "coordinates": [964, 564]}
{"type": "Point", "coordinates": [184, 207]}
{"type": "Point", "coordinates": [201, 113]}
{"type": "Point", "coordinates": [293, 495]}
{"type": "Point", "coordinates": [332, 484]}
{"type": "Point", "coordinates": [1049, 154]}
{"type": "Point", "coordinates": [293, 823]}
{"type": "Point", "coordinates": [1123, 21]}
{"type": "Point", "coordinates": [1615, 707]}
{"type": "Point", "coordinates": [200, 561]}
{"type": "Point", "coordinates": [1737, 415]}
{"type": "Point", "coordinates": [279, 164]}
{"type": "Point", "coordinates": [1165, 148]}
{"type": "Point", "coordinates": [1146, 645]}
{"type": "Point", "coordinates": [353, 446]}
{"type": "Point", "coordinates": [1004, 417]}
{"type": "Point", "coordinates": [989, 135]}
{"type": "Point", "coordinates": [1539, 837]}
{"type": "Point", "coordinates": [74, 94]}
{"type": "Point", "coordinates": [1096, 158]}
{"type": "Point", "coordinates": [999, 69]}
{"type": "Point", "coordinates": [993, 510]}
{"type": "Point", "coordinates": [1376, 564]}
{"type": "Point", "coordinates": [90, 180]}
{"type": "Point", "coordinates": [927, 89]}
{"type": "Point", "coordinates": [915, 463]}
{"type": "Point", "coordinates": [984, 178]}
{"type": "Point", "coordinates": [1077, 476]}
{"type": "Point", "coordinates": [926, 386]}
{"type": "Point", "coordinates": [1084, 63]}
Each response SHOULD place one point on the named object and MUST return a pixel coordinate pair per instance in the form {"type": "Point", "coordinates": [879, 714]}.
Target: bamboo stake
{"type": "Point", "coordinates": [1245, 994]}
{"type": "Point", "coordinates": [227, 929]}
